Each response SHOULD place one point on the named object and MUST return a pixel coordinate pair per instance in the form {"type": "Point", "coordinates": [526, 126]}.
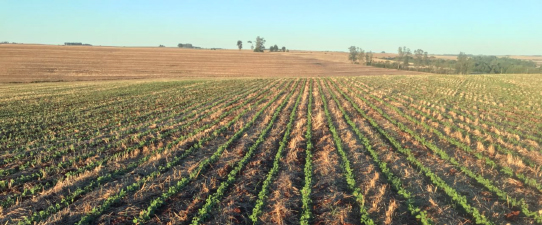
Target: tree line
{"type": "Point", "coordinates": [259, 46]}
{"type": "Point", "coordinates": [359, 56]}
{"type": "Point", "coordinates": [419, 60]}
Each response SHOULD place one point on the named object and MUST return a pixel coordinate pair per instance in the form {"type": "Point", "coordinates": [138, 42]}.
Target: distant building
{"type": "Point", "coordinates": [76, 43]}
{"type": "Point", "coordinates": [187, 45]}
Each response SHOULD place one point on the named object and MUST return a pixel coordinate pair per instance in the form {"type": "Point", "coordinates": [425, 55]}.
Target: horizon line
{"type": "Point", "coordinates": [209, 48]}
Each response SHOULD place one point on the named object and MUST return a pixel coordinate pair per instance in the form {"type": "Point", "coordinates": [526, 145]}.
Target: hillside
{"type": "Point", "coordinates": [30, 63]}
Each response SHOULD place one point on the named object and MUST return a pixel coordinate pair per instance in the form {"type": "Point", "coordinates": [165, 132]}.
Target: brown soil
{"type": "Point", "coordinates": [71, 214]}
{"type": "Point", "coordinates": [284, 200]}
{"type": "Point", "coordinates": [485, 201]}
{"type": "Point", "coordinates": [49, 63]}
{"type": "Point", "coordinates": [332, 201]}
{"type": "Point", "coordinates": [424, 193]}
{"type": "Point", "coordinates": [382, 203]}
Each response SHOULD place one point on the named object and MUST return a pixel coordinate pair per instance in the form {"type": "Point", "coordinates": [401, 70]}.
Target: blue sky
{"type": "Point", "coordinates": [439, 26]}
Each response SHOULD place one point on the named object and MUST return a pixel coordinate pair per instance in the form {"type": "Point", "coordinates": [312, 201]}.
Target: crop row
{"type": "Point", "coordinates": [394, 181]}
{"type": "Point", "coordinates": [96, 211]}
{"type": "Point", "coordinates": [306, 213]}
{"type": "Point", "coordinates": [99, 141]}
{"type": "Point", "coordinates": [262, 195]}
{"type": "Point", "coordinates": [480, 179]}
{"type": "Point", "coordinates": [159, 201]}
{"type": "Point", "coordinates": [435, 179]}
{"type": "Point", "coordinates": [89, 166]}
{"type": "Point", "coordinates": [50, 130]}
{"type": "Point", "coordinates": [107, 177]}
{"type": "Point", "coordinates": [345, 164]}
{"type": "Point", "coordinates": [213, 199]}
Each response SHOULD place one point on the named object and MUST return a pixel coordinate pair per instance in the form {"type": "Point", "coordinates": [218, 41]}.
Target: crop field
{"type": "Point", "coordinates": [425, 149]}
{"type": "Point", "coordinates": [47, 63]}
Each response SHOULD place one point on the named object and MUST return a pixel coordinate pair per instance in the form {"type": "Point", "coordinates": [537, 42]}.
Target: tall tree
{"type": "Point", "coordinates": [399, 57]}
{"type": "Point", "coordinates": [418, 57]}
{"type": "Point", "coordinates": [283, 49]}
{"type": "Point", "coordinates": [369, 58]}
{"type": "Point", "coordinates": [425, 59]}
{"type": "Point", "coordinates": [462, 64]}
{"type": "Point", "coordinates": [406, 57]}
{"type": "Point", "coordinates": [361, 55]}
{"type": "Point", "coordinates": [353, 56]}
{"type": "Point", "coordinates": [260, 44]}
{"type": "Point", "coordinates": [275, 48]}
{"type": "Point", "coordinates": [240, 45]}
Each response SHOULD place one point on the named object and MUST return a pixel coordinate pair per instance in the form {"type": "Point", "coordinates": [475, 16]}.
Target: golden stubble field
{"type": "Point", "coordinates": [31, 63]}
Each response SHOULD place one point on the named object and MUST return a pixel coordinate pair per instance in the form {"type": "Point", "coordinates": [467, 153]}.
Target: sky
{"type": "Point", "coordinates": [494, 27]}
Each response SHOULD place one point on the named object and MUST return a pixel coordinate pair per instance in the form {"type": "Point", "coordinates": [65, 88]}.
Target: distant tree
{"type": "Point", "coordinates": [399, 57]}
{"type": "Point", "coordinates": [361, 55]}
{"type": "Point", "coordinates": [383, 52]}
{"type": "Point", "coordinates": [369, 58]}
{"type": "Point", "coordinates": [462, 65]}
{"type": "Point", "coordinates": [260, 44]}
{"type": "Point", "coordinates": [251, 45]}
{"type": "Point", "coordinates": [425, 59]}
{"type": "Point", "coordinates": [240, 45]}
{"type": "Point", "coordinates": [406, 57]}
{"type": "Point", "coordinates": [283, 49]}
{"type": "Point", "coordinates": [161, 46]}
{"type": "Point", "coordinates": [418, 57]}
{"type": "Point", "coordinates": [180, 45]}
{"type": "Point", "coordinates": [353, 55]}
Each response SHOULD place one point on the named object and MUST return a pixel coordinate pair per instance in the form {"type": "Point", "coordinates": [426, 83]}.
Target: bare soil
{"type": "Point", "coordinates": [50, 63]}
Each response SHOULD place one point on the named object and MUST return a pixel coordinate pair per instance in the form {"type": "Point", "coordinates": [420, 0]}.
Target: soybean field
{"type": "Point", "coordinates": [416, 149]}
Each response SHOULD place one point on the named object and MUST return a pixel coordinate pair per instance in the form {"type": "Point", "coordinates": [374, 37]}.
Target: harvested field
{"type": "Point", "coordinates": [42, 63]}
{"type": "Point", "coordinates": [396, 149]}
